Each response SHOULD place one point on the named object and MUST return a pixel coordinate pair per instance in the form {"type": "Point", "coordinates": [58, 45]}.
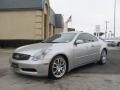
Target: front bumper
{"type": "Point", "coordinates": [29, 67]}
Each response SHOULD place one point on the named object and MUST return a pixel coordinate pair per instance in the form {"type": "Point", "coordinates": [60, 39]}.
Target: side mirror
{"type": "Point", "coordinates": [79, 42]}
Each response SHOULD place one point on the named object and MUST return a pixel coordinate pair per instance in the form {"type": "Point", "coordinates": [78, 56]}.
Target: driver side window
{"type": "Point", "coordinates": [87, 38]}
{"type": "Point", "coordinates": [83, 37]}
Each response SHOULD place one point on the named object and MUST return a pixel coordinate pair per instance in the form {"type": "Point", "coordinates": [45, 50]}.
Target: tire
{"type": "Point", "coordinates": [57, 68]}
{"type": "Point", "coordinates": [118, 44]}
{"type": "Point", "coordinates": [103, 57]}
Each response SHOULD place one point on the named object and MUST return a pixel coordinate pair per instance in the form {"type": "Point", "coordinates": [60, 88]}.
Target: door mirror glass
{"type": "Point", "coordinates": [79, 42]}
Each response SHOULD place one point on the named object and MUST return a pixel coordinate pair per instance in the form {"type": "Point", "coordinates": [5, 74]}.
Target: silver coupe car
{"type": "Point", "coordinates": [59, 54]}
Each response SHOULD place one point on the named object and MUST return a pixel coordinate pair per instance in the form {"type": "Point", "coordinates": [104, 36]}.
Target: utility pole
{"type": "Point", "coordinates": [106, 29]}
{"type": "Point", "coordinates": [114, 18]}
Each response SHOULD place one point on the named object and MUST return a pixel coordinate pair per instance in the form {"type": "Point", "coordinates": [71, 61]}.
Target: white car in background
{"type": "Point", "coordinates": [113, 42]}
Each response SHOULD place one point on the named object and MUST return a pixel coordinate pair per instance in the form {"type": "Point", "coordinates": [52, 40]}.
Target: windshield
{"type": "Point", "coordinates": [61, 38]}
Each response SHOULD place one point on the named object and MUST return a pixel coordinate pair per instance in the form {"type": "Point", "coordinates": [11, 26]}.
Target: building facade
{"type": "Point", "coordinates": [28, 20]}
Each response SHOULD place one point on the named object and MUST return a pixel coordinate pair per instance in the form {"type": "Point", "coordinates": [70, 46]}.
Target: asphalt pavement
{"type": "Point", "coordinates": [89, 77]}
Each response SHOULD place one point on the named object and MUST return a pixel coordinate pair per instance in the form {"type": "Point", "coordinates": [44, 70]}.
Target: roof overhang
{"type": "Point", "coordinates": [21, 5]}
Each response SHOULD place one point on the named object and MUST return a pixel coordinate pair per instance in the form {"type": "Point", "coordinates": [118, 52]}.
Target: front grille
{"type": "Point", "coordinates": [28, 70]}
{"type": "Point", "coordinates": [18, 56]}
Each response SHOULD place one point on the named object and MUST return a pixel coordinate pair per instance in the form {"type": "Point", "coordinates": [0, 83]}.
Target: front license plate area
{"type": "Point", "coordinates": [14, 65]}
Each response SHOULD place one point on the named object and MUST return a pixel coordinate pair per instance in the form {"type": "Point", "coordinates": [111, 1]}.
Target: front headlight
{"type": "Point", "coordinates": [40, 55]}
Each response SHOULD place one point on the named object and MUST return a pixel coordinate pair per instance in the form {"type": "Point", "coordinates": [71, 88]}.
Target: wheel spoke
{"type": "Point", "coordinates": [55, 71]}
{"type": "Point", "coordinates": [54, 65]}
{"type": "Point", "coordinates": [61, 71]}
{"type": "Point", "coordinates": [63, 64]}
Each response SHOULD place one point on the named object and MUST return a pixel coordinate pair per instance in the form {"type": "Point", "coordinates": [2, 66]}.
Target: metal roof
{"type": "Point", "coordinates": [21, 4]}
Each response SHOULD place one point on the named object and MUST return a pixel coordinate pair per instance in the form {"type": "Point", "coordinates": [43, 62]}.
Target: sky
{"type": "Point", "coordinates": [86, 14]}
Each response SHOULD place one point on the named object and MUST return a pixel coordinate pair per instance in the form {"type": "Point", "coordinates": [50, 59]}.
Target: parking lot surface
{"type": "Point", "coordinates": [89, 77]}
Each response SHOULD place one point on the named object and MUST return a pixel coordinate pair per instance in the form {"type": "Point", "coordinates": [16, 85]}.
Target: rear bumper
{"type": "Point", "coordinates": [30, 68]}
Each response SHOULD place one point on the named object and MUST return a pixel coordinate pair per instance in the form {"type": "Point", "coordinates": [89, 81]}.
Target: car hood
{"type": "Point", "coordinates": [33, 48]}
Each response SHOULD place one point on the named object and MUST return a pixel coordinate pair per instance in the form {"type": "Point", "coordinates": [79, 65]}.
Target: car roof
{"type": "Point", "coordinates": [74, 32]}
{"type": "Point", "coordinates": [79, 32]}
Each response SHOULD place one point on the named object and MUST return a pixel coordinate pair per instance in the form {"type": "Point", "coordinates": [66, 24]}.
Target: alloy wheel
{"type": "Point", "coordinates": [104, 57]}
{"type": "Point", "coordinates": [59, 67]}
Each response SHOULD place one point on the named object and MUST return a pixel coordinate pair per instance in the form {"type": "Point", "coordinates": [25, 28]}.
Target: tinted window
{"type": "Point", "coordinates": [92, 38]}
{"type": "Point", "coordinates": [87, 38]}
{"type": "Point", "coordinates": [83, 37]}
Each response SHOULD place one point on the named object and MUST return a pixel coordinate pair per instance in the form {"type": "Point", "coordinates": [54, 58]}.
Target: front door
{"type": "Point", "coordinates": [82, 51]}
{"type": "Point", "coordinates": [94, 47]}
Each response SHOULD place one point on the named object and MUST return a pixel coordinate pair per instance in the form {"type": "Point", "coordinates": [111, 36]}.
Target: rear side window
{"type": "Point", "coordinates": [92, 38]}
